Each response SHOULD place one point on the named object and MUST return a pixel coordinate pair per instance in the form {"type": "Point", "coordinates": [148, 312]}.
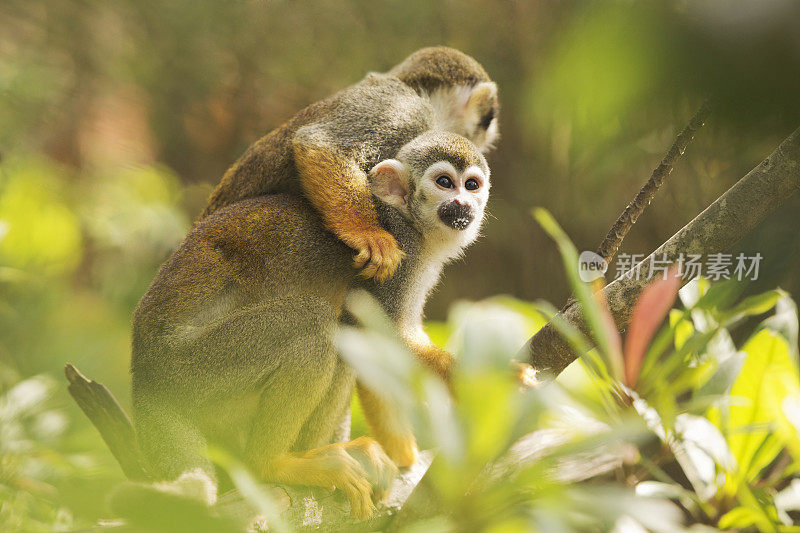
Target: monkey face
{"type": "Point", "coordinates": [440, 182]}
{"type": "Point", "coordinates": [455, 199]}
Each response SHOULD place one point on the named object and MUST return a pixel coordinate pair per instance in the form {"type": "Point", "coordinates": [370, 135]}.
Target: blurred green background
{"type": "Point", "coordinates": [118, 117]}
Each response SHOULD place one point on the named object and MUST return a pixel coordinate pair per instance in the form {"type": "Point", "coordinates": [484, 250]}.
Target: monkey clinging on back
{"type": "Point", "coordinates": [325, 151]}
{"type": "Point", "coordinates": [233, 343]}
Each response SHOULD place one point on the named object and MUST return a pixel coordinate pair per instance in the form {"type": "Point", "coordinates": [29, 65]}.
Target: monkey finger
{"type": "Point", "coordinates": [391, 257]}
{"type": "Point", "coordinates": [359, 492]}
{"type": "Point", "coordinates": [361, 258]}
{"type": "Point", "coordinates": [382, 271]}
{"type": "Point", "coordinates": [383, 482]}
{"type": "Point", "coordinates": [379, 494]}
{"type": "Point", "coordinates": [380, 468]}
{"type": "Point", "coordinates": [352, 468]}
{"type": "Point", "coordinates": [369, 271]}
{"type": "Point", "coordinates": [382, 267]}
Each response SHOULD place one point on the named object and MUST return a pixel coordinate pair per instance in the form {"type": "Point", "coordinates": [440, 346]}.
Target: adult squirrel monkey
{"type": "Point", "coordinates": [233, 343]}
{"type": "Point", "coordinates": [325, 150]}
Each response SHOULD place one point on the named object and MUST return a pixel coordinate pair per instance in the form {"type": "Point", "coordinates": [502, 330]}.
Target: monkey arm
{"type": "Point", "coordinates": [339, 190]}
{"type": "Point", "coordinates": [438, 360]}
{"type": "Point", "coordinates": [388, 425]}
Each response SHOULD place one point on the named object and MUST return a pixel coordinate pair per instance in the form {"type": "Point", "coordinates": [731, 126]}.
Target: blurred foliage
{"type": "Point", "coordinates": [117, 118]}
{"type": "Point", "coordinates": [705, 432]}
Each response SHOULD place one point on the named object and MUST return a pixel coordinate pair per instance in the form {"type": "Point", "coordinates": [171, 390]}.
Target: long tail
{"type": "Point", "coordinates": [111, 421]}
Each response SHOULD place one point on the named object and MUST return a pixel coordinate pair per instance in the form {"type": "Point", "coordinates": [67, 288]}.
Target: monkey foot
{"type": "Point", "coordinates": [378, 253]}
{"type": "Point", "coordinates": [379, 467]}
{"type": "Point", "coordinates": [358, 468]}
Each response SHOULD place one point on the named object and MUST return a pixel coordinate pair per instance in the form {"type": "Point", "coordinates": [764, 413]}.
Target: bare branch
{"type": "Point", "coordinates": [628, 218]}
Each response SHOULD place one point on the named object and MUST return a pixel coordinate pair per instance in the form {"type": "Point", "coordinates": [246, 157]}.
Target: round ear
{"type": "Point", "coordinates": [389, 182]}
{"type": "Point", "coordinates": [483, 95]}
{"type": "Point", "coordinates": [481, 106]}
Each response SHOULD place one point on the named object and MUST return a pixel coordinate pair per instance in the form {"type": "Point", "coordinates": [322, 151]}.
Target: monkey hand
{"type": "Point", "coordinates": [378, 252]}
{"type": "Point", "coordinates": [525, 375]}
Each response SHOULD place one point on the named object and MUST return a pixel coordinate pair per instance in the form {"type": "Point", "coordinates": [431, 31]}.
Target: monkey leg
{"type": "Point", "coordinates": [260, 370]}
{"type": "Point", "coordinates": [325, 421]}
{"type": "Point", "coordinates": [390, 427]}
{"type": "Point", "coordinates": [302, 399]}
{"type": "Point", "coordinates": [360, 468]}
{"type": "Point", "coordinates": [172, 446]}
{"type": "Point", "coordinates": [339, 190]}
{"type": "Point", "coordinates": [438, 360]}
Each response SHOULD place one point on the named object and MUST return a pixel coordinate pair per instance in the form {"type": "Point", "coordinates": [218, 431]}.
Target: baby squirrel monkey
{"type": "Point", "coordinates": [233, 343]}
{"type": "Point", "coordinates": [324, 151]}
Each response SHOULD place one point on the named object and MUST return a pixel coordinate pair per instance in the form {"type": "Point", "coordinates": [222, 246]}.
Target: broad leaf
{"type": "Point", "coordinates": [767, 377]}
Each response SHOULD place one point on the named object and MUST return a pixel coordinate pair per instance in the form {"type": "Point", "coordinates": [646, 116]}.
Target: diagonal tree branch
{"type": "Point", "coordinates": [721, 225]}
{"type": "Point", "coordinates": [628, 218]}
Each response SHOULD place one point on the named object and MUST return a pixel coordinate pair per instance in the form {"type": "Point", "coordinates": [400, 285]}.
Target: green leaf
{"type": "Point", "coordinates": [725, 375]}
{"type": "Point", "coordinates": [767, 378]}
{"type": "Point", "coordinates": [784, 321]}
{"type": "Point", "coordinates": [592, 311]}
{"type": "Point", "coordinates": [756, 305]}
{"type": "Point", "coordinates": [739, 518]}
{"type": "Point", "coordinates": [250, 489]}
{"type": "Point", "coordinates": [720, 295]}
{"type": "Point", "coordinates": [683, 328]}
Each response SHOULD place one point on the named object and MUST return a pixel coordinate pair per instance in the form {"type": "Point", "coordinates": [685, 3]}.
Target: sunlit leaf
{"type": "Point", "coordinates": [739, 518]}
{"type": "Point", "coordinates": [767, 377]}
{"type": "Point", "coordinates": [683, 328]}
{"type": "Point", "coordinates": [700, 448]}
{"type": "Point", "coordinates": [251, 490]}
{"type": "Point", "coordinates": [785, 321]}
{"type": "Point", "coordinates": [382, 364]}
{"type": "Point", "coordinates": [787, 500]}
{"type": "Point", "coordinates": [724, 377]}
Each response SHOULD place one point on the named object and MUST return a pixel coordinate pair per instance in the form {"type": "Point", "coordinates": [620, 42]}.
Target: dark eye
{"type": "Point", "coordinates": [472, 184]}
{"type": "Point", "coordinates": [444, 181]}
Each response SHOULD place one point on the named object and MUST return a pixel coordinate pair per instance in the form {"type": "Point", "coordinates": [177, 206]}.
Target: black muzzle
{"type": "Point", "coordinates": [457, 216]}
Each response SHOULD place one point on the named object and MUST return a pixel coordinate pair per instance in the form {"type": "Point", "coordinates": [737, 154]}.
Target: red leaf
{"type": "Point", "coordinates": [612, 334]}
{"type": "Point", "coordinates": [649, 311]}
